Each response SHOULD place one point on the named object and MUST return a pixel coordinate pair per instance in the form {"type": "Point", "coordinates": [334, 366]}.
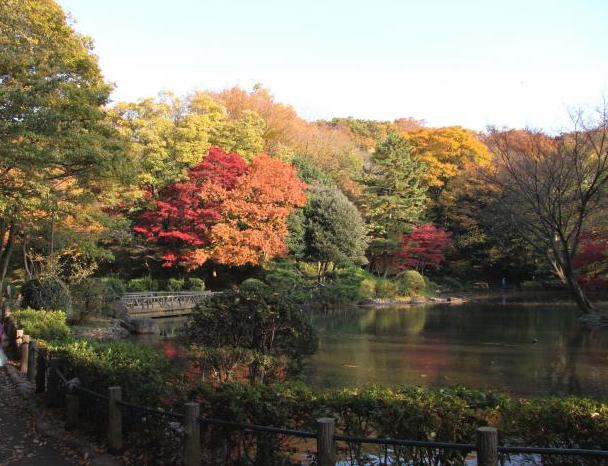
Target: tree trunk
{"type": "Point", "coordinates": [5, 256]}
{"type": "Point", "coordinates": [26, 265]}
{"type": "Point", "coordinates": [578, 294]}
{"type": "Point", "coordinates": [562, 267]}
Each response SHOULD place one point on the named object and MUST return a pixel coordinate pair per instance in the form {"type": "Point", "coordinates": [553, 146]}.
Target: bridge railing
{"type": "Point", "coordinates": [159, 301]}
{"type": "Point", "coordinates": [165, 293]}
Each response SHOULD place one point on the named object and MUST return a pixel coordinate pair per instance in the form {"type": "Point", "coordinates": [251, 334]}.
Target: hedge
{"type": "Point", "coordinates": [405, 412]}
{"type": "Point", "coordinates": [142, 372]}
{"type": "Point", "coordinates": [42, 325]}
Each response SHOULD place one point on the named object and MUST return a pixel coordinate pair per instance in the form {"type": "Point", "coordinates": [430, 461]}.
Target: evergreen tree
{"type": "Point", "coordinates": [334, 232]}
{"type": "Point", "coordinates": [394, 198]}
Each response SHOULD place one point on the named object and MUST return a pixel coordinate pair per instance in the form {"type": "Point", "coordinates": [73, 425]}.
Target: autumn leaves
{"type": "Point", "coordinates": [226, 211]}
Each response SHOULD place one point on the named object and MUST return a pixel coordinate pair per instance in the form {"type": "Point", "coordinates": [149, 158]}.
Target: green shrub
{"type": "Point", "coordinates": [287, 279]}
{"type": "Point", "coordinates": [140, 285]}
{"type": "Point", "coordinates": [344, 286]}
{"type": "Point", "coordinates": [176, 284]}
{"type": "Point", "coordinates": [426, 414]}
{"type": "Point", "coordinates": [136, 285]}
{"type": "Point", "coordinates": [195, 284]}
{"type": "Point", "coordinates": [94, 296]}
{"type": "Point", "coordinates": [411, 283]}
{"type": "Point", "coordinates": [416, 413]}
{"type": "Point", "coordinates": [254, 286]}
{"type": "Point", "coordinates": [51, 294]}
{"type": "Point", "coordinates": [277, 405]}
{"type": "Point", "coordinates": [115, 288]}
{"type": "Point", "coordinates": [222, 364]}
{"type": "Point", "coordinates": [367, 288]}
{"type": "Point", "coordinates": [255, 318]}
{"type": "Point", "coordinates": [43, 325]}
{"type": "Point", "coordinates": [564, 422]}
{"type": "Point", "coordinates": [90, 297]}
{"type": "Point", "coordinates": [142, 372]}
{"type": "Point", "coordinates": [386, 289]}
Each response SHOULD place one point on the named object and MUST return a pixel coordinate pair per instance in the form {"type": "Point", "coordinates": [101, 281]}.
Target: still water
{"type": "Point", "coordinates": [526, 345]}
{"type": "Point", "coordinates": [526, 348]}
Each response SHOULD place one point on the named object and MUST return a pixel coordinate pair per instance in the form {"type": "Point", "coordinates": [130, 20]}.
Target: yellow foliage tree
{"type": "Point", "coordinates": [447, 152]}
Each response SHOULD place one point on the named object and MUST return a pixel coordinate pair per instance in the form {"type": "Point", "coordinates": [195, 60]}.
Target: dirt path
{"type": "Point", "coordinates": [20, 444]}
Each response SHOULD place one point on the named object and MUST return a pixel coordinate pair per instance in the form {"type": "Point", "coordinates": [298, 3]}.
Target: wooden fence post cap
{"type": "Point", "coordinates": [326, 420]}
{"type": "Point", "coordinates": [487, 429]}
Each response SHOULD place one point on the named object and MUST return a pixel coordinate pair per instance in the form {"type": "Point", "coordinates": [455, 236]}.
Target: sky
{"type": "Point", "coordinates": [449, 62]}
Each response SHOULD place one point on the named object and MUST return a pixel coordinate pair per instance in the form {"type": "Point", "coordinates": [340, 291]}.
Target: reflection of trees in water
{"type": "Point", "coordinates": [528, 351]}
{"type": "Point", "coordinates": [375, 321]}
{"type": "Point", "coordinates": [581, 367]}
{"type": "Point", "coordinates": [393, 321]}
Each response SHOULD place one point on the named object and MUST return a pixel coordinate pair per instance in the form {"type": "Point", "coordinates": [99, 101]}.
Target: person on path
{"type": "Point", "coordinates": [3, 357]}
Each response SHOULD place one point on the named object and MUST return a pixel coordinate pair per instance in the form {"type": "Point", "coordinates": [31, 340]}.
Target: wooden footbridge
{"type": "Point", "coordinates": [161, 304]}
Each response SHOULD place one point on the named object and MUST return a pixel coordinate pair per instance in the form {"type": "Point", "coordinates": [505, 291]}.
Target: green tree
{"type": "Point", "coordinates": [334, 232]}
{"type": "Point", "coordinates": [255, 318]}
{"type": "Point", "coordinates": [394, 198]}
{"type": "Point", "coordinates": [170, 134]}
{"type": "Point", "coordinates": [57, 147]}
{"type": "Point", "coordinates": [158, 148]}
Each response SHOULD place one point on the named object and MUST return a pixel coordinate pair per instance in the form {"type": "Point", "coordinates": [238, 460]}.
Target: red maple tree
{"type": "Point", "coordinates": [185, 212]}
{"type": "Point", "coordinates": [591, 260]}
{"type": "Point", "coordinates": [226, 210]}
{"type": "Point", "coordinates": [423, 247]}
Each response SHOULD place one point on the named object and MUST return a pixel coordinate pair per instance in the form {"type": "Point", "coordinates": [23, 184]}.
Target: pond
{"type": "Point", "coordinates": [523, 347]}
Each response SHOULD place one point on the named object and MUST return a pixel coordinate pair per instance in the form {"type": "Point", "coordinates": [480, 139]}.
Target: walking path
{"type": "Point", "coordinates": [20, 444]}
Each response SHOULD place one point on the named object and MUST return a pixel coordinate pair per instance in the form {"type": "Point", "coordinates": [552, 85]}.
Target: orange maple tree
{"type": "Point", "coordinates": [226, 211]}
{"type": "Point", "coordinates": [254, 214]}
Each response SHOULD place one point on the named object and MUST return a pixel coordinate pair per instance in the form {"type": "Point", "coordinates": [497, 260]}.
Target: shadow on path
{"type": "Point", "coordinates": [20, 444]}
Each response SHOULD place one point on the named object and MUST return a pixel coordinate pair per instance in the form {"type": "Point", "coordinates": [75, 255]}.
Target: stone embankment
{"type": "Point", "coordinates": [407, 301]}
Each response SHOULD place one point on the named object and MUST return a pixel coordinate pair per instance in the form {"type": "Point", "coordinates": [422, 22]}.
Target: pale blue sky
{"type": "Point", "coordinates": [469, 62]}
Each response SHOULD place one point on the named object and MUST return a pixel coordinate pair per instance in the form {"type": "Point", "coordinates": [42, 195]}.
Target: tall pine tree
{"type": "Point", "coordinates": [394, 198]}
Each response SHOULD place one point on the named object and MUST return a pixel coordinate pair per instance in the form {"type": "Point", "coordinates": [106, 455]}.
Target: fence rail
{"type": "Point", "coordinates": [39, 368]}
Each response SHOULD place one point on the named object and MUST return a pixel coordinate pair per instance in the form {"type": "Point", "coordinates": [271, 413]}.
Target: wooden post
{"type": "Point", "coordinates": [25, 353]}
{"type": "Point", "coordinates": [71, 406]}
{"type": "Point", "coordinates": [192, 437]}
{"type": "Point", "coordinates": [32, 363]}
{"type": "Point", "coordinates": [326, 446]}
{"type": "Point", "coordinates": [18, 338]}
{"type": "Point", "coordinates": [41, 368]}
{"type": "Point", "coordinates": [52, 384]}
{"type": "Point", "coordinates": [487, 446]}
{"type": "Point", "coordinates": [6, 311]}
{"type": "Point", "coordinates": [114, 420]}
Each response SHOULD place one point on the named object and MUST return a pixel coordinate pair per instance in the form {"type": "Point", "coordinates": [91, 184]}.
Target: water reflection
{"type": "Point", "coordinates": [526, 348]}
